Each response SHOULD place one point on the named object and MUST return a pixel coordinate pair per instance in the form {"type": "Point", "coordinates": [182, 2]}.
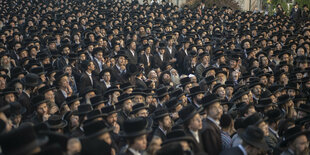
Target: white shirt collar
{"type": "Point", "coordinates": [64, 93]}
{"type": "Point", "coordinates": [195, 134]}
{"type": "Point", "coordinates": [165, 132]}
{"type": "Point", "coordinates": [214, 121]}
{"type": "Point", "coordinates": [242, 149]}
{"type": "Point", "coordinates": [133, 151]}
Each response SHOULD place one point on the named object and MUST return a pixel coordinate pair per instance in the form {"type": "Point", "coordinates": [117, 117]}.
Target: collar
{"type": "Point", "coordinates": [162, 130]}
{"type": "Point", "coordinates": [217, 123]}
{"type": "Point", "coordinates": [26, 93]}
{"type": "Point", "coordinates": [64, 93]}
{"type": "Point", "coordinates": [89, 74]}
{"type": "Point", "coordinates": [133, 151]}
{"type": "Point", "coordinates": [274, 132]}
{"type": "Point", "coordinates": [242, 149]}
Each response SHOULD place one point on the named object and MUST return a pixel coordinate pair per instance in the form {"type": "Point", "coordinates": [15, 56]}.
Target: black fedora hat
{"type": "Point", "coordinates": [104, 71]}
{"type": "Point", "coordinates": [31, 80]}
{"type": "Point", "coordinates": [176, 136]}
{"type": "Point", "coordinates": [71, 99]}
{"type": "Point", "coordinates": [254, 119]}
{"type": "Point", "coordinates": [207, 70]}
{"type": "Point", "coordinates": [187, 113]}
{"type": "Point", "coordinates": [255, 137]}
{"type": "Point", "coordinates": [184, 81]}
{"type": "Point", "coordinates": [108, 110]}
{"type": "Point", "coordinates": [97, 100]}
{"type": "Point", "coordinates": [83, 109]}
{"type": "Point", "coordinates": [59, 74]}
{"type": "Point", "coordinates": [264, 102]}
{"type": "Point", "coordinates": [163, 91]}
{"type": "Point", "coordinates": [93, 115]}
{"type": "Point", "coordinates": [209, 99]}
{"type": "Point", "coordinates": [21, 141]}
{"type": "Point", "coordinates": [137, 107]}
{"type": "Point", "coordinates": [56, 122]}
{"type": "Point", "coordinates": [8, 90]}
{"type": "Point", "coordinates": [96, 128]}
{"type": "Point", "coordinates": [304, 108]}
{"type": "Point", "coordinates": [135, 127]}
{"type": "Point", "coordinates": [172, 103]}
{"type": "Point", "coordinates": [17, 108]}
{"type": "Point", "coordinates": [210, 79]}
{"type": "Point", "coordinates": [111, 90]}
{"type": "Point", "coordinates": [216, 86]}
{"type": "Point", "coordinates": [37, 100]}
{"type": "Point", "coordinates": [283, 99]}
{"type": "Point", "coordinates": [160, 113]}
{"type": "Point", "coordinates": [123, 97]}
{"type": "Point", "coordinates": [121, 53]}
{"type": "Point", "coordinates": [195, 90]}
{"type": "Point", "coordinates": [45, 89]}
{"type": "Point", "coordinates": [138, 91]}
{"type": "Point", "coordinates": [126, 85]}
{"type": "Point", "coordinates": [37, 70]}
{"type": "Point", "coordinates": [178, 92]}
{"type": "Point", "coordinates": [292, 133]}
{"type": "Point", "coordinates": [239, 94]}
{"type": "Point", "coordinates": [88, 89]}
{"type": "Point", "coordinates": [274, 115]}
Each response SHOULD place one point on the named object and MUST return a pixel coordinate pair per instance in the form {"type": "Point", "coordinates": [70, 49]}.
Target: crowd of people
{"type": "Point", "coordinates": [116, 77]}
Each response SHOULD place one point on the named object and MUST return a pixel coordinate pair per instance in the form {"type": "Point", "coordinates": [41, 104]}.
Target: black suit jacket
{"type": "Point", "coordinates": [232, 151]}
{"type": "Point", "coordinates": [132, 59]}
{"type": "Point", "coordinates": [199, 145]}
{"type": "Point", "coordinates": [157, 62]}
{"type": "Point", "coordinates": [160, 134]}
{"type": "Point", "coordinates": [25, 101]}
{"type": "Point", "coordinates": [140, 84]}
{"type": "Point", "coordinates": [143, 60]}
{"type": "Point", "coordinates": [85, 82]}
{"type": "Point", "coordinates": [180, 61]}
{"type": "Point", "coordinates": [59, 98]}
{"type": "Point", "coordinates": [60, 63]}
{"type": "Point", "coordinates": [117, 75]}
{"type": "Point", "coordinates": [100, 88]}
{"type": "Point", "coordinates": [211, 138]}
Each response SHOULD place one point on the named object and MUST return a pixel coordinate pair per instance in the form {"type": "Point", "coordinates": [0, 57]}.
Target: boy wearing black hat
{"type": "Point", "coordinates": [87, 78]}
{"type": "Point", "coordinates": [164, 123]}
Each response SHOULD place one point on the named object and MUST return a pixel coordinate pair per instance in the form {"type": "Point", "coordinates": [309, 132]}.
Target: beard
{"type": "Point", "coordinates": [175, 79]}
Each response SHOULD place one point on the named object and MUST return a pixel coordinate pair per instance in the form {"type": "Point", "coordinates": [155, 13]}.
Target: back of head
{"type": "Point", "coordinates": [172, 148]}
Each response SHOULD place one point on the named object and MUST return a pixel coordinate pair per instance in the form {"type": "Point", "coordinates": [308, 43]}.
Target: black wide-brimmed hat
{"type": "Point", "coordinates": [283, 99]}
{"type": "Point", "coordinates": [97, 100]}
{"type": "Point", "coordinates": [72, 99]}
{"type": "Point", "coordinates": [123, 97]}
{"type": "Point", "coordinates": [184, 81]}
{"type": "Point", "coordinates": [274, 115]}
{"type": "Point", "coordinates": [187, 113]}
{"type": "Point", "coordinates": [17, 109]}
{"type": "Point", "coordinates": [292, 133]}
{"type": "Point", "coordinates": [216, 86]}
{"type": "Point", "coordinates": [111, 90]}
{"type": "Point", "coordinates": [138, 91]}
{"type": "Point", "coordinates": [137, 107]}
{"type": "Point", "coordinates": [93, 115]}
{"type": "Point", "coordinates": [96, 128]}
{"type": "Point", "coordinates": [104, 71]}
{"type": "Point", "coordinates": [160, 113]}
{"type": "Point", "coordinates": [304, 108]}
{"type": "Point", "coordinates": [87, 90]}
{"type": "Point", "coordinates": [209, 99]}
{"type": "Point", "coordinates": [135, 127]}
{"type": "Point", "coordinates": [210, 79]}
{"type": "Point", "coordinates": [108, 110]}
{"type": "Point", "coordinates": [254, 119]}
{"type": "Point", "coordinates": [126, 85]}
{"type": "Point", "coordinates": [121, 53]}
{"type": "Point", "coordinates": [31, 80]}
{"type": "Point", "coordinates": [8, 90]}
{"type": "Point", "coordinates": [177, 136]}
{"type": "Point", "coordinates": [255, 137]}
{"type": "Point", "coordinates": [195, 90]}
{"type": "Point", "coordinates": [239, 94]}
{"type": "Point", "coordinates": [172, 103]}
{"type": "Point", "coordinates": [56, 122]}
{"type": "Point", "coordinates": [37, 100]}
{"type": "Point", "coordinates": [83, 109]}
{"type": "Point", "coordinates": [178, 92]}
{"type": "Point", "coordinates": [264, 102]}
{"type": "Point", "coordinates": [21, 141]}
{"type": "Point", "coordinates": [45, 89]}
{"type": "Point", "coordinates": [163, 91]}
{"type": "Point", "coordinates": [59, 74]}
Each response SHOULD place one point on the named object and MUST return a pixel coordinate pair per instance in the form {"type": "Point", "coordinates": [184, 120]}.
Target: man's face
{"type": "Point", "coordinates": [9, 98]}
{"type": "Point", "coordinates": [91, 66]}
{"type": "Point", "coordinates": [142, 113]}
{"type": "Point", "coordinates": [264, 80]}
{"type": "Point", "coordinates": [195, 123]}
{"type": "Point", "coordinates": [140, 143]}
{"type": "Point", "coordinates": [139, 99]}
{"type": "Point", "coordinates": [257, 90]}
{"type": "Point", "coordinates": [50, 96]}
{"type": "Point", "coordinates": [301, 144]}
{"type": "Point", "coordinates": [112, 119]}
{"type": "Point", "coordinates": [167, 123]}
{"type": "Point", "coordinates": [42, 109]}
{"type": "Point", "coordinates": [215, 111]}
{"type": "Point", "coordinates": [229, 90]}
{"type": "Point", "coordinates": [128, 105]}
{"type": "Point", "coordinates": [107, 76]}
{"type": "Point", "coordinates": [75, 105]}
{"type": "Point", "coordinates": [221, 92]}
{"type": "Point", "coordinates": [66, 51]}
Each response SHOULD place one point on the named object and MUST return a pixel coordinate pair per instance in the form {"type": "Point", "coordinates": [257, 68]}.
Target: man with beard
{"type": "Point", "coordinates": [211, 132]}
{"type": "Point", "coordinates": [273, 118]}
{"type": "Point", "coordinates": [175, 78]}
{"type": "Point", "coordinates": [205, 59]}
{"type": "Point", "coordinates": [41, 109]}
{"type": "Point", "coordinates": [63, 61]}
{"type": "Point", "coordinates": [256, 88]}
{"type": "Point", "coordinates": [196, 95]}
{"type": "Point", "coordinates": [165, 78]}
{"type": "Point", "coordinates": [295, 141]}
{"type": "Point", "coordinates": [48, 93]}
{"type": "Point", "coordinates": [125, 102]}
{"type": "Point", "coordinates": [164, 123]}
{"type": "Point", "coordinates": [131, 53]}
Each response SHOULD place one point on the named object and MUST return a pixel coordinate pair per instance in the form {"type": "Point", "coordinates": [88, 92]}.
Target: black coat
{"type": "Point", "coordinates": [232, 151]}
{"type": "Point", "coordinates": [85, 82]}
{"type": "Point", "coordinates": [25, 101]}
{"type": "Point", "coordinates": [157, 62]}
{"type": "Point", "coordinates": [211, 138]}
{"type": "Point", "coordinates": [160, 134]}
{"type": "Point", "coordinates": [59, 98]}
{"type": "Point", "coordinates": [132, 59]}
{"type": "Point", "coordinates": [147, 65]}
{"type": "Point", "coordinates": [117, 75]}
{"type": "Point", "coordinates": [199, 145]}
